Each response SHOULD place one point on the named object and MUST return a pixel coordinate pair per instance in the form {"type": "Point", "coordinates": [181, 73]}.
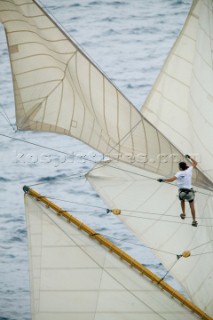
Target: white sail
{"type": "Point", "coordinates": [180, 103]}
{"type": "Point", "coordinates": [73, 277]}
{"type": "Point", "coordinates": [152, 211]}
{"type": "Point", "coordinates": [58, 89]}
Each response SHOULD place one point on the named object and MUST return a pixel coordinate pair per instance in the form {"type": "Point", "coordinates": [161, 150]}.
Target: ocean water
{"type": "Point", "coordinates": [129, 41]}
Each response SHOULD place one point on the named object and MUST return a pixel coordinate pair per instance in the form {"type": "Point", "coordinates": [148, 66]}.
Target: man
{"type": "Point", "coordinates": [184, 183]}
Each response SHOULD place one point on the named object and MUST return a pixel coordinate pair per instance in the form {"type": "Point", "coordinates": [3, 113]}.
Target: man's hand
{"type": "Point", "coordinates": [161, 180]}
{"type": "Point", "coordinates": [193, 162]}
{"type": "Point", "coordinates": [187, 156]}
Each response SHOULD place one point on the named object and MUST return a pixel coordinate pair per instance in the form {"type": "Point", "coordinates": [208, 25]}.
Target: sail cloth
{"type": "Point", "coordinates": [58, 89]}
{"type": "Point", "coordinates": [152, 211]}
{"type": "Point", "coordinates": [73, 277]}
{"type": "Point", "coordinates": [180, 103]}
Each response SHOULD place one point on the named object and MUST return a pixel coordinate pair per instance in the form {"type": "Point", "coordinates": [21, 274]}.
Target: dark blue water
{"type": "Point", "coordinates": [129, 40]}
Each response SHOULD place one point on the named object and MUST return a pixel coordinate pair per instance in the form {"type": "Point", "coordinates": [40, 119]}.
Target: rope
{"type": "Point", "coordinates": [64, 178]}
{"type": "Point", "coordinates": [168, 271]}
{"type": "Point", "coordinates": [107, 210]}
{"type": "Point", "coordinates": [203, 244]}
{"type": "Point", "coordinates": [201, 254]}
{"type": "Point", "coordinates": [139, 245]}
{"type": "Point", "coordinates": [45, 147]}
{"type": "Point", "coordinates": [100, 265]}
{"type": "Point", "coordinates": [122, 210]}
{"type": "Point", "coordinates": [73, 202]}
{"type": "Point", "coordinates": [90, 160]}
{"type": "Point", "coordinates": [128, 242]}
{"type": "Point", "coordinates": [5, 116]}
{"type": "Point", "coordinates": [169, 221]}
{"type": "Point", "coordinates": [157, 214]}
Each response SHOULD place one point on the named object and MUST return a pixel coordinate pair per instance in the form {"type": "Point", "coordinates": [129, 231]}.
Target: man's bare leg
{"type": "Point", "coordinates": [192, 207]}
{"type": "Point", "coordinates": [183, 207]}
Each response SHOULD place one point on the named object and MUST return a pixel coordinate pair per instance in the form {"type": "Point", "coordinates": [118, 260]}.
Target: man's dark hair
{"type": "Point", "coordinates": [183, 166]}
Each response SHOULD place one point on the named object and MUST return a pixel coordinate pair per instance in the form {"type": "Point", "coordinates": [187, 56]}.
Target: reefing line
{"type": "Point", "coordinates": [120, 253]}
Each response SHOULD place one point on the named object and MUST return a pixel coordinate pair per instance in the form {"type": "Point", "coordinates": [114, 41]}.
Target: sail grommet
{"type": "Point", "coordinates": [186, 254]}
{"type": "Point", "coordinates": [116, 211]}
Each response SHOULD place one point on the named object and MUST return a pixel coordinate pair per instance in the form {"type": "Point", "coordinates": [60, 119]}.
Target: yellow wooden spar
{"type": "Point", "coordinates": [108, 244]}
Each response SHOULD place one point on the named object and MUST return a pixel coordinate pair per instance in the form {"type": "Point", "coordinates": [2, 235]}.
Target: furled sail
{"type": "Point", "coordinates": [72, 276]}
{"type": "Point", "coordinates": [58, 89]}
{"type": "Point", "coordinates": [152, 211]}
{"type": "Point", "coordinates": [180, 103]}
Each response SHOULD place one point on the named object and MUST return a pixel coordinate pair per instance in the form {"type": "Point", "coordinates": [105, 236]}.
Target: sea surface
{"type": "Point", "coordinates": [129, 40]}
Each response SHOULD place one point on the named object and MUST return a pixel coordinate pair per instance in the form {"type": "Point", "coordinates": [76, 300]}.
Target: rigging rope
{"type": "Point", "coordinates": [129, 242]}
{"type": "Point", "coordinates": [45, 147]}
{"type": "Point", "coordinates": [168, 271]}
{"type": "Point", "coordinates": [101, 265]}
{"type": "Point", "coordinates": [133, 243]}
{"type": "Point", "coordinates": [107, 210]}
{"type": "Point", "coordinates": [64, 178]}
{"type": "Point", "coordinates": [5, 116]}
{"type": "Point", "coordinates": [90, 160]}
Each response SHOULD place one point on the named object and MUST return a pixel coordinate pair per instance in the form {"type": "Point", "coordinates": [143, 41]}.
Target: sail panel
{"type": "Point", "coordinates": [152, 212]}
{"type": "Point", "coordinates": [73, 277]}
{"type": "Point", "coordinates": [181, 101]}
{"type": "Point", "coordinates": [59, 89]}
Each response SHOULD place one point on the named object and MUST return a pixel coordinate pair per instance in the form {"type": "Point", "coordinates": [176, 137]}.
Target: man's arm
{"type": "Point", "coordinates": [170, 179]}
{"type": "Point", "coordinates": [167, 180]}
{"type": "Point", "coordinates": [193, 162]}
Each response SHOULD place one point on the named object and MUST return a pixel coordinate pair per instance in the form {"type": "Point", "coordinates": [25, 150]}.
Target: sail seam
{"type": "Point", "coordinates": [42, 45]}
{"type": "Point", "coordinates": [38, 55]}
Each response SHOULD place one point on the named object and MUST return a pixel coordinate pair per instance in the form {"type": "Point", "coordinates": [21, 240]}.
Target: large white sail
{"type": "Point", "coordinates": [180, 103]}
{"type": "Point", "coordinates": [58, 89]}
{"type": "Point", "coordinates": [181, 106]}
{"type": "Point", "coordinates": [73, 277]}
{"type": "Point", "coordinates": [152, 211]}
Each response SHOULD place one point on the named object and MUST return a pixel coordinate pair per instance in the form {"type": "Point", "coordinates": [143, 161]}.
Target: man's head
{"type": "Point", "coordinates": [183, 166]}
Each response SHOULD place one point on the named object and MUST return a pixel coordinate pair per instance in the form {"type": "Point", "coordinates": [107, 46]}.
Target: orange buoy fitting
{"type": "Point", "coordinates": [186, 254]}
{"type": "Point", "coordinates": [116, 211]}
